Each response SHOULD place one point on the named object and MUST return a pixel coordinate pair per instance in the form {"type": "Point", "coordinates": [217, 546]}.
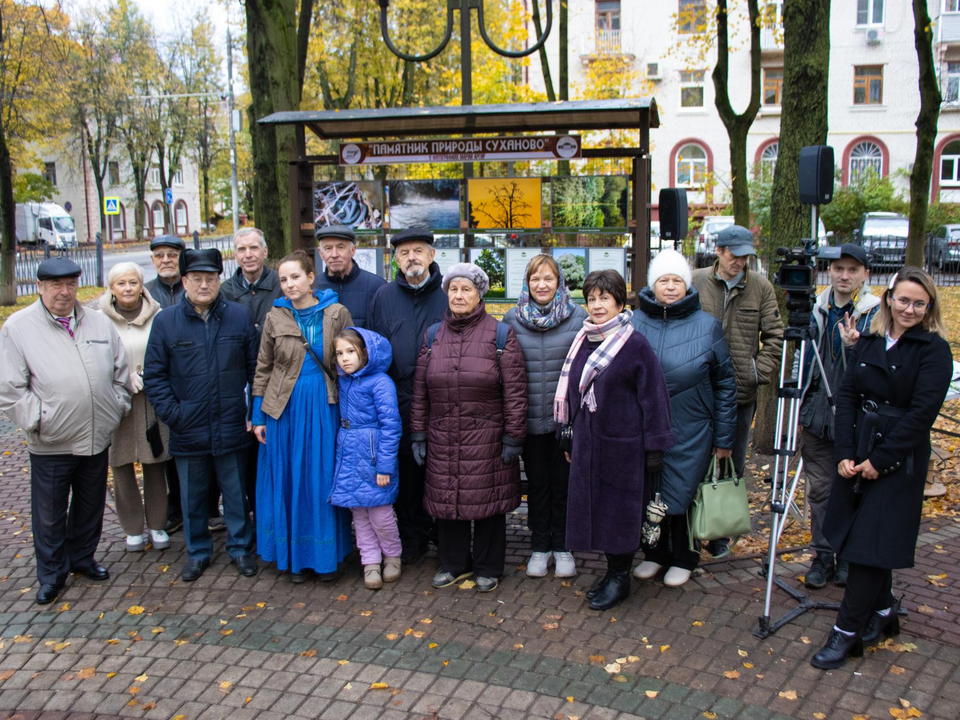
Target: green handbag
{"type": "Point", "coordinates": [720, 508]}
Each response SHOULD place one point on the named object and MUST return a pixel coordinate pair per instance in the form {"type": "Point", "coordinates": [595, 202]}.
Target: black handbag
{"type": "Point", "coordinates": [155, 439]}
{"type": "Point", "coordinates": [565, 438]}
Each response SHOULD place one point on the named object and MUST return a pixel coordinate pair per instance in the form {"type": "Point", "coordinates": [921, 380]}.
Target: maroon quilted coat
{"type": "Point", "coordinates": [466, 408]}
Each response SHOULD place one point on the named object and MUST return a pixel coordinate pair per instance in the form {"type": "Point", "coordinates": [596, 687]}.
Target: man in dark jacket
{"type": "Point", "coordinates": [354, 285]}
{"type": "Point", "coordinates": [167, 287]}
{"type": "Point", "coordinates": [201, 355]}
{"type": "Point", "coordinates": [254, 284]}
{"type": "Point", "coordinates": [402, 311]}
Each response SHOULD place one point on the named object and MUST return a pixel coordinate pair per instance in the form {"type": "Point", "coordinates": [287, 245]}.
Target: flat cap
{"type": "Point", "coordinates": [58, 267]}
{"type": "Point", "coordinates": [339, 232]}
{"type": "Point", "coordinates": [168, 241]}
{"type": "Point", "coordinates": [206, 260]}
{"type": "Point", "coordinates": [738, 239]}
{"type": "Point", "coordinates": [420, 234]}
{"type": "Point", "coordinates": [856, 252]}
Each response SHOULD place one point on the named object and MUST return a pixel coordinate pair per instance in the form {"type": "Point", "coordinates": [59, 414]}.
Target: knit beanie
{"type": "Point", "coordinates": [669, 262]}
{"type": "Point", "coordinates": [471, 272]}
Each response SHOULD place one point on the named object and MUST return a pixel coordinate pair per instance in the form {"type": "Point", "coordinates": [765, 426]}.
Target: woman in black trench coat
{"type": "Point", "coordinates": [895, 384]}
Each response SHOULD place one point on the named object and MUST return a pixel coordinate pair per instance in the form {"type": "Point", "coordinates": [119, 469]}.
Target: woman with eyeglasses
{"type": "Point", "coordinates": [896, 381]}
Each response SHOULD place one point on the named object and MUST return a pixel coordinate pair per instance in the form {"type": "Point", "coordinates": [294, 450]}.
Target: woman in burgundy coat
{"type": "Point", "coordinates": [613, 393]}
{"type": "Point", "coordinates": [468, 422]}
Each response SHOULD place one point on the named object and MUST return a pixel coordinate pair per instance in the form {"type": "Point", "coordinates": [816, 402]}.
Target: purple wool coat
{"type": "Point", "coordinates": [606, 499]}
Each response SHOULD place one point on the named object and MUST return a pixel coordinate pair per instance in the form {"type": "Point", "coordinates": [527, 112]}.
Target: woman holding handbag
{"type": "Point", "coordinates": [895, 383]}
{"type": "Point", "coordinates": [613, 395]}
{"type": "Point", "coordinates": [703, 403]}
{"type": "Point", "coordinates": [295, 417]}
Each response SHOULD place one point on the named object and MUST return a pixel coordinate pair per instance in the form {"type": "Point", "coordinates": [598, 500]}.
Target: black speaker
{"type": "Point", "coordinates": [673, 213]}
{"type": "Point", "coordinates": [816, 174]}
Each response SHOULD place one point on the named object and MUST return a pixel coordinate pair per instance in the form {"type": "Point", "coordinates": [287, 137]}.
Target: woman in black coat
{"type": "Point", "coordinates": [895, 383]}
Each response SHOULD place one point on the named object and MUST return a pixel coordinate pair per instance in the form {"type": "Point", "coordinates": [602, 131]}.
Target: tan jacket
{"type": "Point", "coordinates": [282, 353]}
{"type": "Point", "coordinates": [751, 323]}
{"type": "Point", "coordinates": [130, 440]}
{"type": "Point", "coordinates": [68, 394]}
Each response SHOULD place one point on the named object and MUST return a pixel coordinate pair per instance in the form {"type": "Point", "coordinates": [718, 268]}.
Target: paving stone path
{"type": "Point", "coordinates": [144, 644]}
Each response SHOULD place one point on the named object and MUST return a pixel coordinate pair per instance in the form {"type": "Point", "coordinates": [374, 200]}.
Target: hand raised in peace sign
{"type": "Point", "coordinates": [848, 331]}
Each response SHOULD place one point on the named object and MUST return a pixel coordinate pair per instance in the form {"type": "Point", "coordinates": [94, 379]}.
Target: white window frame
{"type": "Point", "coordinates": [153, 177]}
{"type": "Point", "coordinates": [178, 178]}
{"type": "Point", "coordinates": [157, 211]}
{"type": "Point", "coordinates": [859, 165]}
{"type": "Point", "coordinates": [871, 13]}
{"type": "Point", "coordinates": [945, 82]}
{"type": "Point", "coordinates": [693, 82]}
{"type": "Point", "coordinates": [692, 169]}
{"type": "Point", "coordinates": [680, 20]}
{"type": "Point", "coordinates": [955, 159]}
{"type": "Point", "coordinates": [948, 4]}
{"type": "Point", "coordinates": [768, 159]}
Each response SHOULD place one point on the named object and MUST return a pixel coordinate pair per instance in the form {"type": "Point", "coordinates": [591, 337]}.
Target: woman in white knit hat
{"type": "Point", "coordinates": [703, 402]}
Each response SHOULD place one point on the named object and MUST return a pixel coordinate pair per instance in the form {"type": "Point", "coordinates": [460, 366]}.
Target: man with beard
{"type": "Point", "coordinates": [167, 287]}
{"type": "Point", "coordinates": [402, 311]}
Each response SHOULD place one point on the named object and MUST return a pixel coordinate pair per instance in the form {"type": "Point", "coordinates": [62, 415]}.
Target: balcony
{"type": "Point", "coordinates": [771, 39]}
{"type": "Point", "coordinates": [948, 29]}
{"type": "Point", "coordinates": [607, 43]}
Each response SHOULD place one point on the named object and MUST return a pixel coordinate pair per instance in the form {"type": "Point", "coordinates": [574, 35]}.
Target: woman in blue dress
{"type": "Point", "coordinates": [295, 417]}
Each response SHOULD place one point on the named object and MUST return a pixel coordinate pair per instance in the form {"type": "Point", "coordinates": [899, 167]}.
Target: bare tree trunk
{"type": "Point", "coordinates": [544, 61]}
{"type": "Point", "coordinates": [8, 225]}
{"type": "Point", "coordinates": [737, 125]}
{"type": "Point", "coordinates": [803, 121]}
{"type": "Point", "coordinates": [563, 167]}
{"type": "Point", "coordinates": [926, 123]}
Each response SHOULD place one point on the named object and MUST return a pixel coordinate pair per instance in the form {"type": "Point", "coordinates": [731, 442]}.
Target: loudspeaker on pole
{"type": "Point", "coordinates": [816, 174]}
{"type": "Point", "coordinates": [673, 213]}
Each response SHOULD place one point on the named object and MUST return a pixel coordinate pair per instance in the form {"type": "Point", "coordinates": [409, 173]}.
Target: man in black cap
{"type": "Point", "coordinates": [402, 311]}
{"type": "Point", "coordinates": [64, 380]}
{"type": "Point", "coordinates": [201, 355]}
{"type": "Point", "coordinates": [354, 286]}
{"type": "Point", "coordinates": [167, 287]}
{"type": "Point", "coordinates": [842, 311]}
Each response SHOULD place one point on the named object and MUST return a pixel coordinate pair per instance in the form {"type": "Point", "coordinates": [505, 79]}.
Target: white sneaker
{"type": "Point", "coordinates": [537, 564]}
{"type": "Point", "coordinates": [564, 564]}
{"type": "Point", "coordinates": [159, 539]}
{"type": "Point", "coordinates": [136, 543]}
{"type": "Point", "coordinates": [676, 577]}
{"type": "Point", "coordinates": [646, 570]}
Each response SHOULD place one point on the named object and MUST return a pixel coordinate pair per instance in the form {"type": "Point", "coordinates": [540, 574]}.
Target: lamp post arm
{"type": "Point", "coordinates": [508, 53]}
{"type": "Point", "coordinates": [384, 30]}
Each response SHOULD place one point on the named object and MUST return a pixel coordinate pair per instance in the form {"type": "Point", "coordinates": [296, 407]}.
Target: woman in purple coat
{"type": "Point", "coordinates": [613, 394]}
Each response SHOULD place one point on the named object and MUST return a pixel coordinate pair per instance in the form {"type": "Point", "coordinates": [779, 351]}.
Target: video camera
{"type": "Point", "coordinates": [797, 276]}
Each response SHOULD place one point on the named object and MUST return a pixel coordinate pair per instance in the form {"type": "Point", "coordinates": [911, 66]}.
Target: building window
{"type": "Point", "coordinates": [951, 6]}
{"type": "Point", "coordinates": [118, 224]}
{"type": "Point", "coordinates": [692, 16]}
{"type": "Point", "coordinates": [868, 85]}
{"type": "Point", "coordinates": [772, 85]}
{"type": "Point", "coordinates": [153, 177]}
{"type": "Point", "coordinates": [158, 224]}
{"type": "Point", "coordinates": [178, 178]}
{"type": "Point", "coordinates": [691, 166]}
{"type": "Point", "coordinates": [866, 160]}
{"type": "Point", "coordinates": [950, 164]}
{"type": "Point", "coordinates": [50, 173]}
{"type": "Point", "coordinates": [608, 27]}
{"type": "Point", "coordinates": [113, 171]}
{"type": "Point", "coordinates": [951, 83]}
{"type": "Point", "coordinates": [180, 217]}
{"type": "Point", "coordinates": [768, 160]}
{"type": "Point", "coordinates": [691, 89]}
{"type": "Point", "coordinates": [869, 12]}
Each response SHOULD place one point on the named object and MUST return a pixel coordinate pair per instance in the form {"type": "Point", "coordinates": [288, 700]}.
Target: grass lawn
{"type": "Point", "coordinates": [83, 295]}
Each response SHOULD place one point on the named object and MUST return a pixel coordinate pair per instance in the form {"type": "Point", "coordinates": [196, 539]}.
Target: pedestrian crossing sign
{"type": "Point", "coordinates": [111, 206]}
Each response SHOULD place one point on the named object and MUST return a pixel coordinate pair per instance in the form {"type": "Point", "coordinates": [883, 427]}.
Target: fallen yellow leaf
{"type": "Point", "coordinates": [709, 715]}
{"type": "Point", "coordinates": [632, 659]}
{"type": "Point", "coordinates": [135, 610]}
{"type": "Point", "coordinates": [226, 632]}
{"type": "Point", "coordinates": [247, 699]}
{"type": "Point", "coordinates": [805, 640]}
{"type": "Point", "coordinates": [132, 703]}
{"type": "Point", "coordinates": [820, 716]}
{"type": "Point", "coordinates": [112, 641]}
{"type": "Point", "coordinates": [518, 646]}
{"type": "Point", "coordinates": [157, 630]}
{"type": "Point", "coordinates": [141, 678]}
{"type": "Point", "coordinates": [391, 636]}
{"type": "Point", "coordinates": [664, 648]}
{"type": "Point", "coordinates": [343, 662]}
{"type": "Point", "coordinates": [308, 653]}
{"type": "Point", "coordinates": [366, 613]}
{"type": "Point", "coordinates": [180, 642]}
{"type": "Point", "coordinates": [748, 666]}
{"type": "Point", "coordinates": [742, 653]}
{"type": "Point", "coordinates": [427, 621]}
{"type": "Point", "coordinates": [697, 623]}
{"type": "Point", "coordinates": [259, 605]}
{"type": "Point", "coordinates": [433, 645]}
{"type": "Point", "coordinates": [64, 607]}
{"type": "Point", "coordinates": [87, 673]}
{"type": "Point", "coordinates": [341, 598]}
{"type": "Point", "coordinates": [620, 678]}
{"type": "Point", "coordinates": [612, 668]}
{"type": "Point", "coordinates": [732, 674]}
{"type": "Point", "coordinates": [60, 646]}
{"type": "Point", "coordinates": [111, 674]}
{"type": "Point", "coordinates": [897, 670]}
{"type": "Point", "coordinates": [225, 685]}
{"type": "Point", "coordinates": [379, 686]}
{"type": "Point", "coordinates": [467, 585]}
{"type": "Point", "coordinates": [652, 693]}
{"type": "Point", "coordinates": [150, 705]}
{"type": "Point", "coordinates": [569, 698]}
{"type": "Point", "coordinates": [179, 717]}
{"type": "Point", "coordinates": [788, 694]}
{"type": "Point", "coordinates": [133, 690]}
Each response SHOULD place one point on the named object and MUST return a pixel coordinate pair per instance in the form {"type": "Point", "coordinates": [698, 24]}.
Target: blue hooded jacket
{"type": "Point", "coordinates": [369, 435]}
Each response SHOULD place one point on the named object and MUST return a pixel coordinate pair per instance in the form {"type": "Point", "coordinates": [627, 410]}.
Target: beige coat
{"type": "Point", "coordinates": [130, 440]}
{"type": "Point", "coordinates": [282, 353]}
{"type": "Point", "coordinates": [68, 394]}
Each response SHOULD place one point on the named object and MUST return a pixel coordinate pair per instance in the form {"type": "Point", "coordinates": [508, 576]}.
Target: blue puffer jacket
{"type": "Point", "coordinates": [195, 374]}
{"type": "Point", "coordinates": [703, 391]}
{"type": "Point", "coordinates": [369, 434]}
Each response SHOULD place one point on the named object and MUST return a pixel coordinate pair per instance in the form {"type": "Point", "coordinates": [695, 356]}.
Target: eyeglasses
{"type": "Point", "coordinates": [903, 303]}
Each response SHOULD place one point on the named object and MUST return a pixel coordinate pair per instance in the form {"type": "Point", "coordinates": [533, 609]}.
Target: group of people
{"type": "Point", "coordinates": [308, 401]}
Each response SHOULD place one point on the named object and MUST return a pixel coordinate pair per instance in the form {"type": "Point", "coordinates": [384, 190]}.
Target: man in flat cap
{"type": "Point", "coordinates": [746, 303]}
{"type": "Point", "coordinates": [64, 381]}
{"type": "Point", "coordinates": [201, 355]}
{"type": "Point", "coordinates": [167, 287]}
{"type": "Point", "coordinates": [354, 286]}
{"type": "Point", "coordinates": [402, 311]}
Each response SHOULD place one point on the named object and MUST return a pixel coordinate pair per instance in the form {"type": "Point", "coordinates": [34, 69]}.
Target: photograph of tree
{"type": "Point", "coordinates": [492, 261]}
{"type": "Point", "coordinates": [504, 203]}
{"type": "Point", "coordinates": [589, 202]}
{"type": "Point", "coordinates": [573, 264]}
{"type": "Point", "coordinates": [356, 204]}
{"type": "Point", "coordinates": [433, 204]}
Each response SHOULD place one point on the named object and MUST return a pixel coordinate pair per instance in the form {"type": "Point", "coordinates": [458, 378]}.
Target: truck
{"type": "Point", "coordinates": [45, 223]}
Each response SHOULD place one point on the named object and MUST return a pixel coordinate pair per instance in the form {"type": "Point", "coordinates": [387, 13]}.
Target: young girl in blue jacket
{"type": "Point", "coordinates": [367, 443]}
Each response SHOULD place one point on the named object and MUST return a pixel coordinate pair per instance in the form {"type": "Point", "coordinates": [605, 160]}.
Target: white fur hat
{"type": "Point", "coordinates": [669, 262]}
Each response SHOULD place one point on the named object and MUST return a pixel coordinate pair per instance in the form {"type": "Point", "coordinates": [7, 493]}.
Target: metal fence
{"type": "Point", "coordinates": [225, 246]}
{"type": "Point", "coordinates": [88, 257]}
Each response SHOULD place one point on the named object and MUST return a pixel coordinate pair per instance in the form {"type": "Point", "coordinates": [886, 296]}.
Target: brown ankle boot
{"type": "Point", "coordinates": [371, 577]}
{"type": "Point", "coordinates": [391, 569]}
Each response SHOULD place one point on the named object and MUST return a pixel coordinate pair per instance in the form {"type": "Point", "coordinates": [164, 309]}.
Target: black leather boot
{"type": "Point", "coordinates": [821, 570]}
{"type": "Point", "coordinates": [834, 653]}
{"type": "Point", "coordinates": [888, 625]}
{"type": "Point", "coordinates": [598, 586]}
{"type": "Point", "coordinates": [614, 592]}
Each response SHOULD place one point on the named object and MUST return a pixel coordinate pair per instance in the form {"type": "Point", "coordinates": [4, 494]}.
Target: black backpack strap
{"type": "Point", "coordinates": [431, 336]}
{"type": "Point", "coordinates": [502, 331]}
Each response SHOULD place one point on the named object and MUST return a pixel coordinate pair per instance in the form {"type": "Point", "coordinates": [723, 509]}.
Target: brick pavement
{"type": "Point", "coordinates": [263, 647]}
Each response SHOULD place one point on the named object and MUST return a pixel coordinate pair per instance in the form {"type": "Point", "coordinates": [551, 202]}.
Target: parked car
{"type": "Point", "coordinates": [884, 236]}
{"type": "Point", "coordinates": [706, 251]}
{"type": "Point", "coordinates": [943, 246]}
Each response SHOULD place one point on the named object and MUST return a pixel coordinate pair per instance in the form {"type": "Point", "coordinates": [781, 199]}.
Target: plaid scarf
{"type": "Point", "coordinates": [612, 336]}
{"type": "Point", "coordinates": [544, 317]}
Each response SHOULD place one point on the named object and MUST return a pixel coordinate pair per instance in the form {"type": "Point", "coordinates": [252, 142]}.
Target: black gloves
{"type": "Point", "coordinates": [419, 447]}
{"type": "Point", "coordinates": [654, 461]}
{"type": "Point", "coordinates": [512, 449]}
